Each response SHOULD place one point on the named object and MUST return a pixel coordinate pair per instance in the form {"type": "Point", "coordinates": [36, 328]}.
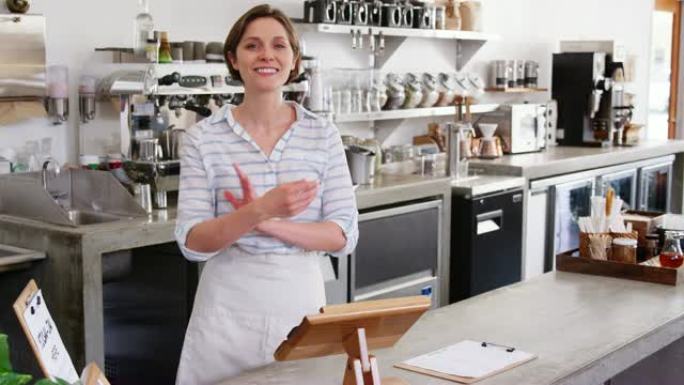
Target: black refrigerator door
{"type": "Point", "coordinates": [497, 242]}
{"type": "Point", "coordinates": [486, 243]}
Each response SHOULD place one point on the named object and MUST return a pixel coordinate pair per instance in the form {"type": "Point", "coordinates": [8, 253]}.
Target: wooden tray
{"type": "Point", "coordinates": [646, 273]}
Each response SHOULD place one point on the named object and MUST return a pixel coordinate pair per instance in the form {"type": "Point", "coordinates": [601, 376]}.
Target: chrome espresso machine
{"type": "Point", "coordinates": [146, 108]}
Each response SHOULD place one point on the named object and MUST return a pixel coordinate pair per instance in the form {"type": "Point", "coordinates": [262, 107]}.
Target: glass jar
{"type": "Point", "coordinates": [396, 94]}
{"type": "Point", "coordinates": [414, 92]}
{"type": "Point", "coordinates": [447, 90]}
{"type": "Point", "coordinates": [624, 250]}
{"type": "Point", "coordinates": [671, 253]}
{"type": "Point", "coordinates": [430, 91]}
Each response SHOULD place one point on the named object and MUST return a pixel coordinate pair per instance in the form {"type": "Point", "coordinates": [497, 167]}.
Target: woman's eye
{"type": "Point", "coordinates": [281, 46]}
{"type": "Point", "coordinates": [250, 46]}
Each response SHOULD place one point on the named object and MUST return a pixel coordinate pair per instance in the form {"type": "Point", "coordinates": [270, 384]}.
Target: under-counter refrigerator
{"type": "Point", "coordinates": [486, 242]}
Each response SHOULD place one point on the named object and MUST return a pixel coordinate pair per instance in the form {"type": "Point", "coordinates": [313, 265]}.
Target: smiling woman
{"type": "Point", "coordinates": [264, 192]}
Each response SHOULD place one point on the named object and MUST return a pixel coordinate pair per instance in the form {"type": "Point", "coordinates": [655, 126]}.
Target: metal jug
{"type": "Point", "coordinates": [361, 163]}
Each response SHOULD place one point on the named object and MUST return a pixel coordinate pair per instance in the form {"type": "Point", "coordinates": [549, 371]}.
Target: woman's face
{"type": "Point", "coordinates": [264, 55]}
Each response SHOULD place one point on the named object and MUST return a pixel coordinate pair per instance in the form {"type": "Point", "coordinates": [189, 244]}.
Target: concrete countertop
{"type": "Point", "coordinates": [385, 189]}
{"type": "Point", "coordinates": [584, 330]}
{"type": "Point", "coordinates": [562, 160]}
{"type": "Point", "coordinates": [159, 219]}
{"type": "Point", "coordinates": [478, 185]}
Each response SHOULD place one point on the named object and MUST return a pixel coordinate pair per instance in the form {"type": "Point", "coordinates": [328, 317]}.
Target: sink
{"type": "Point", "coordinates": [80, 217]}
{"type": "Point", "coordinates": [14, 258]}
{"type": "Point", "coordinates": [74, 197]}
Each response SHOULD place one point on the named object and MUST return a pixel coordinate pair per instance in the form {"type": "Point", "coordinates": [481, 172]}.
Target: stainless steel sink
{"type": "Point", "coordinates": [13, 258]}
{"type": "Point", "coordinates": [81, 218]}
{"type": "Point", "coordinates": [73, 197]}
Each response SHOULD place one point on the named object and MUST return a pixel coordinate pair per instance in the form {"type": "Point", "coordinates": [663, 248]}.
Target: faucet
{"type": "Point", "coordinates": [46, 164]}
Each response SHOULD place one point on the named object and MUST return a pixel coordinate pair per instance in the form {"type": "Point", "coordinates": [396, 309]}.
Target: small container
{"type": "Point", "coordinates": [143, 195]}
{"type": "Point", "coordinates": [165, 55]}
{"type": "Point", "coordinates": [430, 91]}
{"type": "Point", "coordinates": [413, 90]}
{"type": "Point", "coordinates": [396, 94]}
{"type": "Point", "coordinates": [531, 74]}
{"type": "Point", "coordinates": [651, 246]}
{"type": "Point", "coordinates": [90, 162]}
{"type": "Point", "coordinates": [671, 254]}
{"type": "Point", "coordinates": [624, 250]}
{"type": "Point", "coordinates": [499, 74]}
{"type": "Point", "coordinates": [440, 17]}
{"type": "Point", "coordinates": [114, 161]}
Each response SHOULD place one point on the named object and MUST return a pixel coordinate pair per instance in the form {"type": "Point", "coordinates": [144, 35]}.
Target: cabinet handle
{"type": "Point", "coordinates": [489, 222]}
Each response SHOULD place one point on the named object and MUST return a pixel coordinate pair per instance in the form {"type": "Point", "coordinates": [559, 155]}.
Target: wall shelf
{"type": "Point", "coordinates": [467, 42]}
{"type": "Point", "coordinates": [400, 32]}
{"type": "Point", "coordinates": [516, 90]}
{"type": "Point", "coordinates": [411, 113]}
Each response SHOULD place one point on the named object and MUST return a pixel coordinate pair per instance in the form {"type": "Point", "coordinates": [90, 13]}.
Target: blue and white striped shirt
{"type": "Point", "coordinates": [310, 149]}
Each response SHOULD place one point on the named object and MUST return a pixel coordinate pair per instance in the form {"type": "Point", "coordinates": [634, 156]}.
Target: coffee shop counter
{"type": "Point", "coordinates": [584, 329]}
{"type": "Point", "coordinates": [72, 272]}
{"type": "Point", "coordinates": [560, 160]}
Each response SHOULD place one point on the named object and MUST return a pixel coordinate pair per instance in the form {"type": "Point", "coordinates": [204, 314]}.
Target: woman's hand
{"type": "Point", "coordinates": [285, 200]}
{"type": "Point", "coordinates": [247, 190]}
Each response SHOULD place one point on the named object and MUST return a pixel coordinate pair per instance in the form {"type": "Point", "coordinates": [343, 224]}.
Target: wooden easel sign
{"type": "Point", "coordinates": [92, 375]}
{"type": "Point", "coordinates": [43, 336]}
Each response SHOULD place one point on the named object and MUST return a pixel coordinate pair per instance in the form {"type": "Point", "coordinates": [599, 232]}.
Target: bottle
{"type": "Point", "coordinates": [671, 253]}
{"type": "Point", "coordinates": [164, 49]}
{"type": "Point", "coordinates": [144, 25]}
{"type": "Point", "coordinates": [152, 50]}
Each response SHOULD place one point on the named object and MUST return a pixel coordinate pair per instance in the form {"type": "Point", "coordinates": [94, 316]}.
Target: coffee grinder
{"type": "Point", "coordinates": [589, 105]}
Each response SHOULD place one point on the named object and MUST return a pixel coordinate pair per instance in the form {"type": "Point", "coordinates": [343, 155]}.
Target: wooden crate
{"type": "Point", "coordinates": [656, 274]}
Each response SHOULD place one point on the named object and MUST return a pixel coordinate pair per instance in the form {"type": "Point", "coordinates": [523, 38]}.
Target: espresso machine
{"type": "Point", "coordinates": [589, 92]}
{"type": "Point", "coordinates": [148, 107]}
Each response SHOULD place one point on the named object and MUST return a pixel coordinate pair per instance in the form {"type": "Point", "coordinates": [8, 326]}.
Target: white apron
{"type": "Point", "coordinates": [245, 306]}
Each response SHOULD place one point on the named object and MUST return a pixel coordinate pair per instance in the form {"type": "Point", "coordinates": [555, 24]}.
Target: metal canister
{"type": "Point", "coordinates": [531, 74]}
{"type": "Point", "coordinates": [440, 17]}
{"type": "Point", "coordinates": [500, 72]}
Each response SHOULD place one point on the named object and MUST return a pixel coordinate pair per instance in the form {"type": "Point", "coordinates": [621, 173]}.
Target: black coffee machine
{"type": "Point", "coordinates": [589, 92]}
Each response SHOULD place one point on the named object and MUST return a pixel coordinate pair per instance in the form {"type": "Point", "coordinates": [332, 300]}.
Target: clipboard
{"type": "Point", "coordinates": [497, 358]}
{"type": "Point", "coordinates": [42, 334]}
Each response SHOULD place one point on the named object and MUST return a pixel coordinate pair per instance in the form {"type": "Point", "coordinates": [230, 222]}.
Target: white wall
{"type": "Point", "coordinates": [529, 29]}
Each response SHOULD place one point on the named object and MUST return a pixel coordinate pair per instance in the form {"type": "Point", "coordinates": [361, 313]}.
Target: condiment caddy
{"type": "Point", "coordinates": [608, 247]}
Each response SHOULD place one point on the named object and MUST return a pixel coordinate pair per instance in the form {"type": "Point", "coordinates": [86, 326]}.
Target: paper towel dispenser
{"type": "Point", "coordinates": [22, 57]}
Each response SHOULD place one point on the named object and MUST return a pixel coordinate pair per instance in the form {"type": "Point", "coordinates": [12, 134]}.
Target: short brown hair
{"type": "Point", "coordinates": [238, 30]}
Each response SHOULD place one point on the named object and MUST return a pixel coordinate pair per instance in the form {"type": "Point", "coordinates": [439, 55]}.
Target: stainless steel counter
{"type": "Point", "coordinates": [583, 329]}
{"type": "Point", "coordinates": [562, 160]}
{"type": "Point", "coordinates": [388, 189]}
{"type": "Point", "coordinates": [484, 184]}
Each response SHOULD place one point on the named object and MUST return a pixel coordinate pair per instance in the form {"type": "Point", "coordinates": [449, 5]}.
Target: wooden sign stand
{"type": "Point", "coordinates": [354, 328]}
{"type": "Point", "coordinates": [362, 368]}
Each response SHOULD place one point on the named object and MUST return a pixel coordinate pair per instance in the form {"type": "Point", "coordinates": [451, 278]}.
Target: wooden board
{"type": "Point", "coordinates": [636, 272]}
{"type": "Point", "coordinates": [384, 321]}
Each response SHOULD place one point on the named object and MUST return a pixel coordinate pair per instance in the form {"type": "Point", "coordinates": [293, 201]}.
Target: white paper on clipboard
{"type": "Point", "coordinates": [469, 359]}
{"type": "Point", "coordinates": [48, 341]}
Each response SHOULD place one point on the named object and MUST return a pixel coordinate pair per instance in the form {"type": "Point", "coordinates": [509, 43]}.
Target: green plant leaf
{"type": "Point", "coordinates": [14, 379]}
{"type": "Point", "coordinates": [5, 364]}
{"type": "Point", "coordinates": [58, 381]}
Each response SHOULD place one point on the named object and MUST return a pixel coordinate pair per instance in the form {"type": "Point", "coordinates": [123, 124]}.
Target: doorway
{"type": "Point", "coordinates": [665, 37]}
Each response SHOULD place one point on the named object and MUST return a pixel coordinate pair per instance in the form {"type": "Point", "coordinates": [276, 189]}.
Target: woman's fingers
{"type": "Point", "coordinates": [231, 198]}
{"type": "Point", "coordinates": [247, 191]}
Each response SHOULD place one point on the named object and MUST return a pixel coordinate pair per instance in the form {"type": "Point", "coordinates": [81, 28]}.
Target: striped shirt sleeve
{"type": "Point", "coordinates": [338, 199]}
{"type": "Point", "coordinates": [195, 198]}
